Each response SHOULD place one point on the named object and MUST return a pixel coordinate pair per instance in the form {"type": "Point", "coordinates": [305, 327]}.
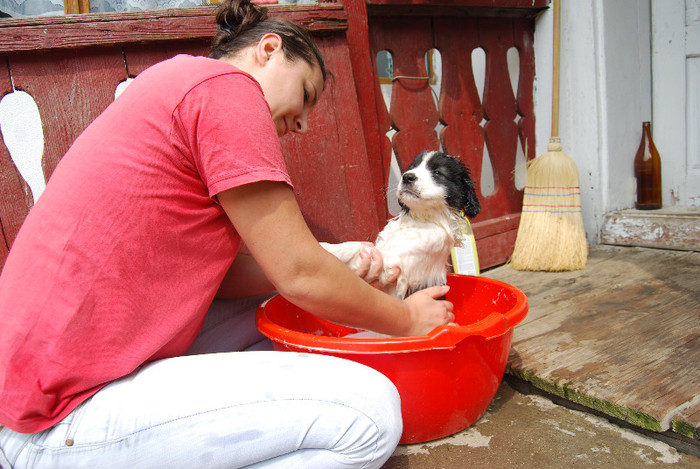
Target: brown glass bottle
{"type": "Point", "coordinates": [647, 171]}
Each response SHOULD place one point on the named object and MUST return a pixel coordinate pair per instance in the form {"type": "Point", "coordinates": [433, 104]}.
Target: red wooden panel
{"type": "Point", "coordinates": [460, 106]}
{"type": "Point", "coordinates": [15, 197]}
{"type": "Point", "coordinates": [329, 164]}
{"type": "Point", "coordinates": [369, 96]}
{"type": "Point", "coordinates": [523, 35]}
{"type": "Point", "coordinates": [501, 4]}
{"type": "Point", "coordinates": [413, 112]}
{"type": "Point", "coordinates": [509, 119]}
{"type": "Point", "coordinates": [71, 88]}
{"type": "Point", "coordinates": [5, 82]}
{"type": "Point", "coordinates": [497, 249]}
{"type": "Point", "coordinates": [141, 56]}
{"type": "Point", "coordinates": [116, 28]}
{"type": "Point", "coordinates": [500, 111]}
{"type": "Point", "coordinates": [495, 238]}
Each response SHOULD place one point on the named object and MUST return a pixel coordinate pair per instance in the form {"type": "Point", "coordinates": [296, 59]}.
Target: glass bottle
{"type": "Point", "coordinates": [647, 172]}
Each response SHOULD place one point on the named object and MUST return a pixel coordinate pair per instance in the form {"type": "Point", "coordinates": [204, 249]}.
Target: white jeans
{"type": "Point", "coordinates": [225, 410]}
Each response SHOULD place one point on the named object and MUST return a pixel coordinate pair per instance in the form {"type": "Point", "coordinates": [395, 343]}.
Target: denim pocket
{"type": "Point", "coordinates": [62, 434]}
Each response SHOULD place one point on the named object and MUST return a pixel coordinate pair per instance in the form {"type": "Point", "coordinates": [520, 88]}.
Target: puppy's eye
{"type": "Point", "coordinates": [439, 173]}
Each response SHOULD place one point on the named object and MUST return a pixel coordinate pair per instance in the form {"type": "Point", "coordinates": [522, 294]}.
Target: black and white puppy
{"type": "Point", "coordinates": [432, 193]}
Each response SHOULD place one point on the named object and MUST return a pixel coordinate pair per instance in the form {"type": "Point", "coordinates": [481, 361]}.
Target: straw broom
{"type": "Point", "coordinates": [551, 236]}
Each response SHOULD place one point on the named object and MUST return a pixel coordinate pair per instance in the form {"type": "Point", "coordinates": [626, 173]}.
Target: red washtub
{"type": "Point", "coordinates": [447, 378]}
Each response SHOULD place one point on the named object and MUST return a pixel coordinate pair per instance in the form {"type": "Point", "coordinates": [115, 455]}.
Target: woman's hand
{"type": "Point", "coordinates": [427, 312]}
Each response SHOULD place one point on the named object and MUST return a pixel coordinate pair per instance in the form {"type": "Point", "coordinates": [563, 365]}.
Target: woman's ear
{"type": "Point", "coordinates": [268, 45]}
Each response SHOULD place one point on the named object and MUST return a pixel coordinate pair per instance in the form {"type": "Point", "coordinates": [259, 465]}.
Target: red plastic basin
{"type": "Point", "coordinates": [447, 378]}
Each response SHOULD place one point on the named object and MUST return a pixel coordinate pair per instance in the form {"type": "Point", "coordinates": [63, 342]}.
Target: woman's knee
{"type": "Point", "coordinates": [379, 401]}
{"type": "Point", "coordinates": [393, 422]}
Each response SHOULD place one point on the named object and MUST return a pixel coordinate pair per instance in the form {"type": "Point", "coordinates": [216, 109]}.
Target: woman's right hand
{"type": "Point", "coordinates": [427, 312]}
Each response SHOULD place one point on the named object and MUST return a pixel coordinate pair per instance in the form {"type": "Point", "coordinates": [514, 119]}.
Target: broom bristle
{"type": "Point", "coordinates": [551, 236]}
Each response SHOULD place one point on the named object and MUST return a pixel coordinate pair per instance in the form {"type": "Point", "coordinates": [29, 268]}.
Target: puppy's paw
{"type": "Point", "coordinates": [388, 277]}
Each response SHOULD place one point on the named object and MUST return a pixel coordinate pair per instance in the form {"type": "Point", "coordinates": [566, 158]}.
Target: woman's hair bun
{"type": "Point", "coordinates": [235, 16]}
{"type": "Point", "coordinates": [242, 24]}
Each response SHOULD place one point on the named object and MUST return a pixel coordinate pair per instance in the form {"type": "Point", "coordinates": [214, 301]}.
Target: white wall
{"type": "Point", "coordinates": [605, 95]}
{"type": "Point", "coordinates": [21, 130]}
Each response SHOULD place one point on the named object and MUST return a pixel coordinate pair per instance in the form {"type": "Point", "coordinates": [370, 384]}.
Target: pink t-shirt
{"type": "Point", "coordinates": [118, 261]}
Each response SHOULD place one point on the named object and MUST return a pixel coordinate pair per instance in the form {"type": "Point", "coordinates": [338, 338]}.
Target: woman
{"type": "Point", "coordinates": [111, 276]}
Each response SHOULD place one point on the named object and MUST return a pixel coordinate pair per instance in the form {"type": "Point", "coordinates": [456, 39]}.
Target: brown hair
{"type": "Point", "coordinates": [242, 24]}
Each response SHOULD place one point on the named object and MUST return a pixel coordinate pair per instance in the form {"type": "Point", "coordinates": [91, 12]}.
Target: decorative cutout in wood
{"type": "Point", "coordinates": [484, 111]}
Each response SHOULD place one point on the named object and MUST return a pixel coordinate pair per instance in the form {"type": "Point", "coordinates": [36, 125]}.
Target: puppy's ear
{"type": "Point", "coordinates": [470, 202]}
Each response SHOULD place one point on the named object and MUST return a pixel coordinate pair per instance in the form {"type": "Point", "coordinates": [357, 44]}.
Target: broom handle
{"type": "Point", "coordinates": [555, 69]}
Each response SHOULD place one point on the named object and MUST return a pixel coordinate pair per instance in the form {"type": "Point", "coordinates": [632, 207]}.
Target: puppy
{"type": "Point", "coordinates": [432, 193]}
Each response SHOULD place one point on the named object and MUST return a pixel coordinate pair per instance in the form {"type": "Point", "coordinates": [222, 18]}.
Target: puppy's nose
{"type": "Point", "coordinates": [408, 178]}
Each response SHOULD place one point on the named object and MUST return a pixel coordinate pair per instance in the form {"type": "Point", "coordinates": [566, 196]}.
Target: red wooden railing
{"type": "Point", "coordinates": [71, 66]}
{"type": "Point", "coordinates": [454, 28]}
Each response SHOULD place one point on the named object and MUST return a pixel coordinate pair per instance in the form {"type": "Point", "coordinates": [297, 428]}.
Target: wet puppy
{"type": "Point", "coordinates": [433, 194]}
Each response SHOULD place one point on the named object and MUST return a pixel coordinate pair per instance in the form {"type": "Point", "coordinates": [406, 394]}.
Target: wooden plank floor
{"type": "Point", "coordinates": [621, 336]}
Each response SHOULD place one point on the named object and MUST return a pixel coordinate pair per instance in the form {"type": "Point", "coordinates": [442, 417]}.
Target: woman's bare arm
{"type": "Point", "coordinates": [269, 220]}
{"type": "Point", "coordinates": [244, 278]}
